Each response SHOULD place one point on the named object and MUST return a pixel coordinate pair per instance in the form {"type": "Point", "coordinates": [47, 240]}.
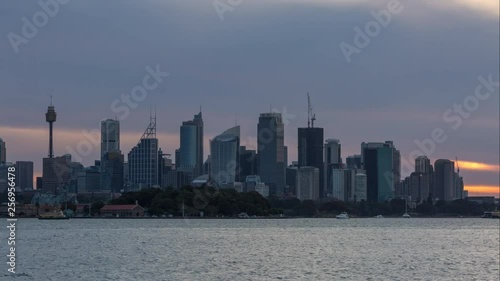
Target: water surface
{"type": "Point", "coordinates": [281, 249]}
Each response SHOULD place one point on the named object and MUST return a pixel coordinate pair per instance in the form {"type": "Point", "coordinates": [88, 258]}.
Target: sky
{"type": "Point", "coordinates": [237, 59]}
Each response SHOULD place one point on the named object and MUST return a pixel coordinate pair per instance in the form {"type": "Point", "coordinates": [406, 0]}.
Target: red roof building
{"type": "Point", "coordinates": [122, 211]}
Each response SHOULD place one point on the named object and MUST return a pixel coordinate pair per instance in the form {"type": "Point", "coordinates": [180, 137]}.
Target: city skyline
{"type": "Point", "coordinates": [239, 68]}
{"type": "Point", "coordinates": [463, 165]}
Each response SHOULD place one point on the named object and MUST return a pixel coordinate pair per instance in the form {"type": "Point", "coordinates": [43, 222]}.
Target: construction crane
{"type": "Point", "coordinates": [458, 167]}
{"type": "Point", "coordinates": [311, 117]}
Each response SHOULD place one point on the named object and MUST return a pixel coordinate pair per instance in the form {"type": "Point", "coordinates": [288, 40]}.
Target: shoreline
{"type": "Point", "coordinates": [265, 218]}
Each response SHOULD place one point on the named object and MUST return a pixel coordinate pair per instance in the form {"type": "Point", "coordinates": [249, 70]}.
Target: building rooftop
{"type": "Point", "coordinates": [118, 207]}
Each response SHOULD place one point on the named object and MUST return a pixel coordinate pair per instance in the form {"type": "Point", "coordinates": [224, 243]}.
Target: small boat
{"type": "Point", "coordinates": [343, 216]}
{"type": "Point", "coordinates": [491, 215]}
{"type": "Point", "coordinates": [379, 217]}
{"type": "Point", "coordinates": [243, 216]}
{"type": "Point", "coordinates": [406, 216]}
{"type": "Point", "coordinates": [54, 215]}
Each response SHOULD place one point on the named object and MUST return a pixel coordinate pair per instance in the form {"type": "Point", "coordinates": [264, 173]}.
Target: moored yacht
{"type": "Point", "coordinates": [343, 216]}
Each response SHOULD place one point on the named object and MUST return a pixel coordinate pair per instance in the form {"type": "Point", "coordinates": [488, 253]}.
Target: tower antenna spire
{"type": "Point", "coordinates": [50, 117]}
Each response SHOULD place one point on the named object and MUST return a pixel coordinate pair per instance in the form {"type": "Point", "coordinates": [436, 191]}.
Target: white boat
{"type": "Point", "coordinates": [379, 217]}
{"type": "Point", "coordinates": [243, 216]}
{"type": "Point", "coordinates": [343, 216]}
{"type": "Point", "coordinates": [406, 216]}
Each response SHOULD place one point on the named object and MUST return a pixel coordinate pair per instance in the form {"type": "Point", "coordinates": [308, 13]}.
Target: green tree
{"type": "Point", "coordinates": [308, 208]}
{"type": "Point", "coordinates": [96, 207]}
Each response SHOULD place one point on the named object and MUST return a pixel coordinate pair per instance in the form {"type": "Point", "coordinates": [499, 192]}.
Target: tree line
{"type": "Point", "coordinates": [228, 202]}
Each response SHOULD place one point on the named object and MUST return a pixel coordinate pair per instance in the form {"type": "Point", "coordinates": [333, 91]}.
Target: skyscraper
{"type": "Point", "coordinates": [310, 146]}
{"type": "Point", "coordinates": [198, 121]}
{"type": "Point", "coordinates": [444, 180]}
{"type": "Point", "coordinates": [187, 151]}
{"type": "Point", "coordinates": [360, 187]}
{"type": "Point", "coordinates": [459, 186]}
{"type": "Point", "coordinates": [310, 151]}
{"type": "Point", "coordinates": [354, 162]}
{"type": "Point", "coordinates": [191, 150]}
{"type": "Point", "coordinates": [110, 150]}
{"type": "Point", "coordinates": [3, 152]}
{"type": "Point", "coordinates": [333, 160]}
{"type": "Point", "coordinates": [110, 137]}
{"type": "Point", "coordinates": [422, 165]}
{"type": "Point", "coordinates": [225, 156]}
{"type": "Point", "coordinates": [419, 186]}
{"type": "Point", "coordinates": [379, 161]}
{"type": "Point", "coordinates": [248, 162]}
{"type": "Point", "coordinates": [143, 160]}
{"type": "Point", "coordinates": [24, 171]}
{"type": "Point", "coordinates": [56, 174]}
{"type": "Point", "coordinates": [271, 151]}
{"type": "Point", "coordinates": [113, 170]}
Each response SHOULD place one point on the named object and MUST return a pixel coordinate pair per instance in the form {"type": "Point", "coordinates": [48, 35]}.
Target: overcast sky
{"type": "Point", "coordinates": [260, 54]}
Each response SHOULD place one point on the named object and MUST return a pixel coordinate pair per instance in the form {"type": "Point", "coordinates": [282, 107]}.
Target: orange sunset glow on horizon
{"type": "Point", "coordinates": [477, 166]}
{"type": "Point", "coordinates": [483, 190]}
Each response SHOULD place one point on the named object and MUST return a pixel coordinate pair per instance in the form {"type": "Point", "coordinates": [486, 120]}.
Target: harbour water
{"type": "Point", "coordinates": [257, 249]}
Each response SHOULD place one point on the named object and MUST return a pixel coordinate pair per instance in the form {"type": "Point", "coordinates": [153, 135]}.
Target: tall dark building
{"type": "Point", "coordinates": [198, 121]}
{"type": "Point", "coordinates": [378, 162]}
{"type": "Point", "coordinates": [310, 151]}
{"type": "Point", "coordinates": [3, 151]}
{"type": "Point", "coordinates": [444, 180]}
{"type": "Point", "coordinates": [56, 174]}
{"type": "Point", "coordinates": [24, 170]}
{"type": "Point", "coordinates": [113, 172]}
{"type": "Point", "coordinates": [353, 162]}
{"type": "Point", "coordinates": [271, 151]}
{"type": "Point", "coordinates": [248, 163]}
{"type": "Point", "coordinates": [39, 185]}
